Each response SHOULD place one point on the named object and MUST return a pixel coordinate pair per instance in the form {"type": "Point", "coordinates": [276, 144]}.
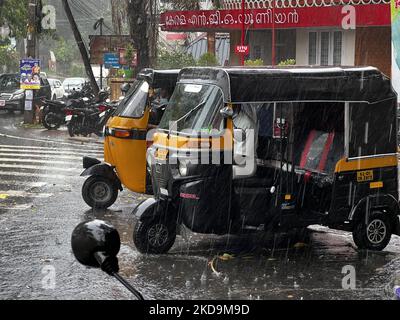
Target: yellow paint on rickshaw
{"type": "Point", "coordinates": [345, 165]}
{"type": "Point", "coordinates": [128, 155]}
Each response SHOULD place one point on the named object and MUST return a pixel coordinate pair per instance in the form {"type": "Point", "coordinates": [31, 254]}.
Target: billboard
{"type": "Point", "coordinates": [30, 74]}
{"type": "Point", "coordinates": [99, 45]}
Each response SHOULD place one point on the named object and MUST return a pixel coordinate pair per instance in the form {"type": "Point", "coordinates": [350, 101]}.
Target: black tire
{"type": "Point", "coordinates": [154, 237]}
{"type": "Point", "coordinates": [71, 129]}
{"type": "Point", "coordinates": [51, 121]}
{"type": "Point", "coordinates": [376, 235]}
{"type": "Point", "coordinates": [99, 192]}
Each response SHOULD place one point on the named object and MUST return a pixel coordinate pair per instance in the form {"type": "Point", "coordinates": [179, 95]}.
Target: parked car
{"type": "Point", "coordinates": [73, 84]}
{"type": "Point", "coordinates": [12, 97]}
{"type": "Point", "coordinates": [57, 89]}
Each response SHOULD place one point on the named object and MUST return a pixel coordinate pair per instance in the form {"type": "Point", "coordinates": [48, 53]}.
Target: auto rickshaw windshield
{"type": "Point", "coordinates": [133, 106]}
{"type": "Point", "coordinates": [194, 107]}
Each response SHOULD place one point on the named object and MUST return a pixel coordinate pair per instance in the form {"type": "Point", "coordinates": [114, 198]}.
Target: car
{"type": "Point", "coordinates": [73, 84]}
{"type": "Point", "coordinates": [57, 90]}
{"type": "Point", "coordinates": [12, 97]}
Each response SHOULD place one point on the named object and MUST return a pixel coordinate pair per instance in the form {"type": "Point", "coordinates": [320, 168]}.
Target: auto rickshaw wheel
{"type": "Point", "coordinates": [99, 192]}
{"type": "Point", "coordinates": [154, 237]}
{"type": "Point", "coordinates": [376, 234]}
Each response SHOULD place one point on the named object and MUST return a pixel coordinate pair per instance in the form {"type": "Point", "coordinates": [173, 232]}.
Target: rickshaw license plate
{"type": "Point", "coordinates": [363, 176]}
{"type": "Point", "coordinates": [162, 154]}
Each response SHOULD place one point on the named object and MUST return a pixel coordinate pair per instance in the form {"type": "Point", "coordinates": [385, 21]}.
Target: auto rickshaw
{"type": "Point", "coordinates": [274, 149]}
{"type": "Point", "coordinates": [125, 142]}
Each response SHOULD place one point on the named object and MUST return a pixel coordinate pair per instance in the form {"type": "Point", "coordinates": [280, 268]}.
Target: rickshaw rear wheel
{"type": "Point", "coordinates": [99, 192]}
{"type": "Point", "coordinates": [154, 236]}
{"type": "Point", "coordinates": [375, 235]}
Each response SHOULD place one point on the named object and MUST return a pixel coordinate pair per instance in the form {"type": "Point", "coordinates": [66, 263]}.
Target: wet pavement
{"type": "Point", "coordinates": [40, 204]}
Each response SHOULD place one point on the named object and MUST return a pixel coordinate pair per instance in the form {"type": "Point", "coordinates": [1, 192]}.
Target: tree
{"type": "Point", "coordinates": [9, 59]}
{"type": "Point", "coordinates": [208, 60]}
{"type": "Point", "coordinates": [174, 60]}
{"type": "Point", "coordinates": [14, 13]}
{"type": "Point", "coordinates": [185, 4]}
{"type": "Point", "coordinates": [66, 53]}
{"type": "Point", "coordinates": [143, 24]}
{"type": "Point", "coordinates": [119, 15]}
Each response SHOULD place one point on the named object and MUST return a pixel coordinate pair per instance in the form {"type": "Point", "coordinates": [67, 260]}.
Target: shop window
{"type": "Point", "coordinates": [337, 48]}
{"type": "Point", "coordinates": [257, 52]}
{"type": "Point", "coordinates": [312, 50]}
{"type": "Point", "coordinates": [325, 48]}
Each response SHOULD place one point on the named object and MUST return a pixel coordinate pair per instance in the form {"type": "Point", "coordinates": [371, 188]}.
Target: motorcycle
{"type": "Point", "coordinates": [53, 112]}
{"type": "Point", "coordinates": [85, 121]}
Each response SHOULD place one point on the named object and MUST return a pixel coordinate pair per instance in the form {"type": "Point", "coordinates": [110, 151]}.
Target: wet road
{"type": "Point", "coordinates": [40, 204]}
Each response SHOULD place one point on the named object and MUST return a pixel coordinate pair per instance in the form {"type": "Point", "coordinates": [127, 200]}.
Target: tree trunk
{"type": "Point", "coordinates": [142, 15]}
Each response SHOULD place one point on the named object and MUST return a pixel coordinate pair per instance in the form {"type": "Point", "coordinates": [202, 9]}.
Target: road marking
{"type": "Point", "coordinates": [17, 207]}
{"type": "Point", "coordinates": [30, 185]}
{"type": "Point", "coordinates": [35, 175]}
{"type": "Point", "coordinates": [40, 148]}
{"type": "Point", "coordinates": [24, 194]}
{"type": "Point", "coordinates": [44, 156]}
{"type": "Point", "coordinates": [51, 152]}
{"type": "Point", "coordinates": [37, 161]}
{"type": "Point", "coordinates": [52, 168]}
{"type": "Point", "coordinates": [46, 141]}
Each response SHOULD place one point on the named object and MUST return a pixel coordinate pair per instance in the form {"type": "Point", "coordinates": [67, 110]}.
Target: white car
{"type": "Point", "coordinates": [73, 84]}
{"type": "Point", "coordinates": [57, 90]}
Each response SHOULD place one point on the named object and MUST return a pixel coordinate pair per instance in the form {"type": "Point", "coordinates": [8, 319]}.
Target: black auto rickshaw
{"type": "Point", "coordinates": [324, 151]}
{"type": "Point", "coordinates": [125, 143]}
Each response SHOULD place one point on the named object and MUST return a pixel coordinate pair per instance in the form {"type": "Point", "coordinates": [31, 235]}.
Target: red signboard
{"type": "Point", "coordinates": [305, 17]}
{"type": "Point", "coordinates": [242, 50]}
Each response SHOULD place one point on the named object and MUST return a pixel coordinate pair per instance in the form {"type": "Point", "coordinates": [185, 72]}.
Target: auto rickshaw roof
{"type": "Point", "coordinates": [160, 78]}
{"type": "Point", "coordinates": [284, 84]}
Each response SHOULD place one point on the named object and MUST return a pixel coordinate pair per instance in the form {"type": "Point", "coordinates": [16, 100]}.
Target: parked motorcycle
{"type": "Point", "coordinates": [89, 120]}
{"type": "Point", "coordinates": [54, 112]}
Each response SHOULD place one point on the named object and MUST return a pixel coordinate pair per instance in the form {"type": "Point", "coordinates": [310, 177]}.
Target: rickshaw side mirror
{"type": "Point", "coordinates": [96, 244]}
{"type": "Point", "coordinates": [227, 112]}
{"type": "Point", "coordinates": [125, 87]}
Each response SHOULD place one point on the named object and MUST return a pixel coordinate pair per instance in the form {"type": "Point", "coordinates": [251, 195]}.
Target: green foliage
{"type": "Point", "coordinates": [207, 60]}
{"type": "Point", "coordinates": [129, 53]}
{"type": "Point", "coordinates": [254, 63]}
{"type": "Point", "coordinates": [288, 62]}
{"type": "Point", "coordinates": [9, 58]}
{"type": "Point", "coordinates": [174, 60]}
{"type": "Point", "coordinates": [77, 70]}
{"type": "Point", "coordinates": [66, 52]}
{"type": "Point", "coordinates": [14, 13]}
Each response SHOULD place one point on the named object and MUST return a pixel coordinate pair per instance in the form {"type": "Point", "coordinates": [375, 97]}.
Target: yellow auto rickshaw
{"type": "Point", "coordinates": [125, 142]}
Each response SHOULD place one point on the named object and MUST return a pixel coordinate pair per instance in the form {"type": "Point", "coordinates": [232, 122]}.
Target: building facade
{"type": "Point", "coordinates": [311, 32]}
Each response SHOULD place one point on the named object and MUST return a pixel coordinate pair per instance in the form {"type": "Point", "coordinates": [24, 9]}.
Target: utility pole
{"type": "Point", "coordinates": [31, 49]}
{"type": "Point", "coordinates": [81, 46]}
{"type": "Point", "coordinates": [99, 24]}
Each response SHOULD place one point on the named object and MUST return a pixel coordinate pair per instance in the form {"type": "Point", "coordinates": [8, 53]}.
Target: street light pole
{"type": "Point", "coordinates": [31, 50]}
